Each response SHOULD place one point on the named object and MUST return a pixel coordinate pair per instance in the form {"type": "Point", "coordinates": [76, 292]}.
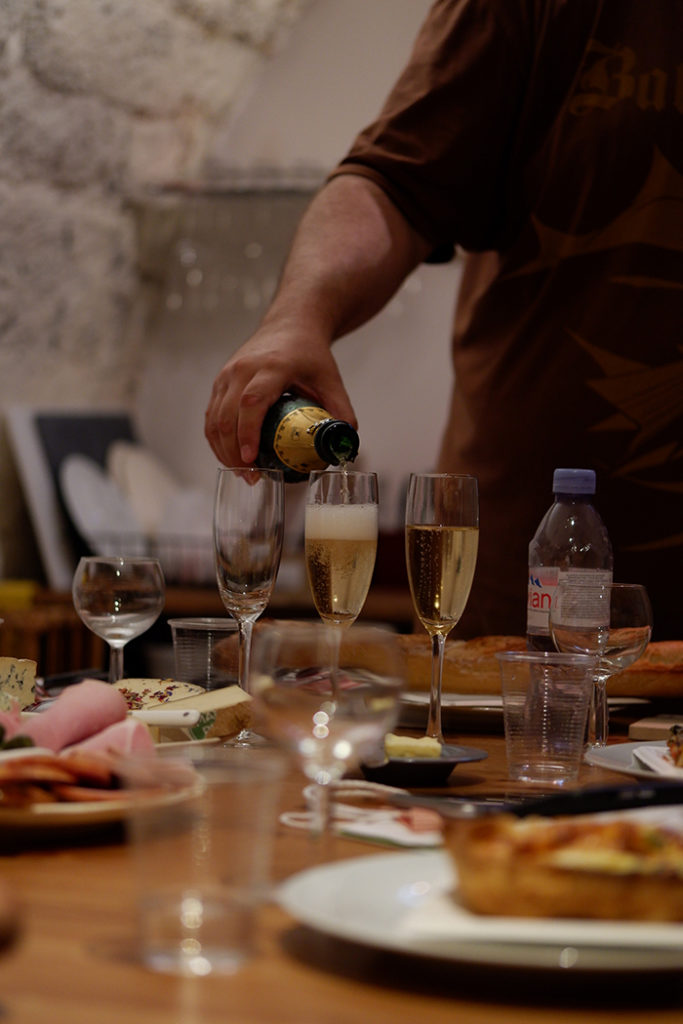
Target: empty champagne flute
{"type": "Point", "coordinates": [442, 538]}
{"type": "Point", "coordinates": [612, 621]}
{"type": "Point", "coordinates": [341, 526]}
{"type": "Point", "coordinates": [248, 528]}
{"type": "Point", "coordinates": [118, 598]}
{"type": "Point", "coordinates": [330, 725]}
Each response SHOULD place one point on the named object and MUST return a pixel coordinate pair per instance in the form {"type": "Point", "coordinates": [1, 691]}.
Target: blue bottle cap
{"type": "Point", "coordinates": [574, 481]}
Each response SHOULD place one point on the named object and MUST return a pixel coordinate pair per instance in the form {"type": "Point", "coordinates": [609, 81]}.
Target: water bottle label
{"type": "Point", "coordinates": [543, 580]}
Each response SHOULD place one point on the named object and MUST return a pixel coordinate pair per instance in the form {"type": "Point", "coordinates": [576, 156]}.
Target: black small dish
{"type": "Point", "coordinates": [421, 772]}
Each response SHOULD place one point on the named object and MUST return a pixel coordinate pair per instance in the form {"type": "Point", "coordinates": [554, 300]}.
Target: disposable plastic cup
{"type": "Point", "coordinates": [203, 651]}
{"type": "Point", "coordinates": [201, 855]}
{"type": "Point", "coordinates": [546, 698]}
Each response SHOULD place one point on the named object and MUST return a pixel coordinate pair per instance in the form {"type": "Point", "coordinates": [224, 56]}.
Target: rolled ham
{"type": "Point", "coordinates": [78, 712]}
{"type": "Point", "coordinates": [127, 737]}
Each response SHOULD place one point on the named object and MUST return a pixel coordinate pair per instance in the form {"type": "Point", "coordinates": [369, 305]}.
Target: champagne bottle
{"type": "Point", "coordinates": [298, 436]}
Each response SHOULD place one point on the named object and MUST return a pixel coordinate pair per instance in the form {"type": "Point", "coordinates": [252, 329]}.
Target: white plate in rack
{"type": "Point", "coordinates": [98, 509]}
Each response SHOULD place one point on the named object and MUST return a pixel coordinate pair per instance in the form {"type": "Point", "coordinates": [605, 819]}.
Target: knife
{"type": "Point", "coordinates": [580, 801]}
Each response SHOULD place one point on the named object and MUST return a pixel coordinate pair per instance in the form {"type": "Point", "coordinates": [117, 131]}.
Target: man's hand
{"type": "Point", "coordinates": [267, 365]}
{"type": "Point", "coordinates": [350, 253]}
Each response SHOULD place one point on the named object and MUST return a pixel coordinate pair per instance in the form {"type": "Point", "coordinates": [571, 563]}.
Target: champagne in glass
{"type": "Point", "coordinates": [611, 621]}
{"type": "Point", "coordinates": [442, 537]}
{"type": "Point", "coordinates": [118, 598]}
{"type": "Point", "coordinates": [248, 532]}
{"type": "Point", "coordinates": [341, 525]}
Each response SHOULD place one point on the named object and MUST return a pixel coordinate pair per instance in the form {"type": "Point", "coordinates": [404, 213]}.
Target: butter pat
{"type": "Point", "coordinates": [221, 713]}
{"type": "Point", "coordinates": [409, 746]}
{"type": "Point", "coordinates": [17, 682]}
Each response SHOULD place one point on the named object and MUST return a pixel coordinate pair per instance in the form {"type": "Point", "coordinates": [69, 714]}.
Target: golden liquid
{"type": "Point", "coordinates": [339, 575]}
{"type": "Point", "coordinates": [440, 561]}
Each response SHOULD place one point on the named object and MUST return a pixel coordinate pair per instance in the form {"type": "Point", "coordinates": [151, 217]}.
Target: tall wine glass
{"type": "Point", "coordinates": [442, 538]}
{"type": "Point", "coordinates": [118, 598]}
{"type": "Point", "coordinates": [248, 526]}
{"type": "Point", "coordinates": [341, 525]}
{"type": "Point", "coordinates": [611, 621]}
{"type": "Point", "coordinates": [330, 725]}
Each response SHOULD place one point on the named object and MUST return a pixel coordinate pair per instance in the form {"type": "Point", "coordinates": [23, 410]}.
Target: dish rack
{"type": "Point", "coordinates": [186, 559]}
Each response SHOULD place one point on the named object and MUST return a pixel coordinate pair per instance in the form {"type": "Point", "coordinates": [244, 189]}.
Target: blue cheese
{"type": "Point", "coordinates": [17, 682]}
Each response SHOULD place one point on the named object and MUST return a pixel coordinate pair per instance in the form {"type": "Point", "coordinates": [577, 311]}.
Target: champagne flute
{"type": "Point", "coordinates": [248, 530]}
{"type": "Point", "coordinates": [118, 598]}
{"type": "Point", "coordinates": [611, 621]}
{"type": "Point", "coordinates": [442, 537]}
{"type": "Point", "coordinates": [341, 525]}
{"type": "Point", "coordinates": [330, 725]}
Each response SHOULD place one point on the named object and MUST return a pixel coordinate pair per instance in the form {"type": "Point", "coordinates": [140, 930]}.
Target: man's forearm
{"type": "Point", "coordinates": [351, 252]}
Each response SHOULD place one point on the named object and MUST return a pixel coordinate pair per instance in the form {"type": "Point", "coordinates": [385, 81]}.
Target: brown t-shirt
{"type": "Point", "coordinates": [545, 138]}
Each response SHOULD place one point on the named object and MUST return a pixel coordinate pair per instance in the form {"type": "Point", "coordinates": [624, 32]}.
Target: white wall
{"type": "Point", "coordinates": [302, 112]}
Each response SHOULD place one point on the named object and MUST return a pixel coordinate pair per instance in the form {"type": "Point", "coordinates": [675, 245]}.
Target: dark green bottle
{"type": "Point", "coordinates": [298, 436]}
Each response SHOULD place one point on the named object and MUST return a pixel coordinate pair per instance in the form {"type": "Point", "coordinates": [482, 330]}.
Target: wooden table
{"type": "Point", "coordinates": [72, 962]}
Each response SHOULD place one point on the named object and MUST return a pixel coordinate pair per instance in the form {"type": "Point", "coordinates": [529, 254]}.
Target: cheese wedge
{"type": "Point", "coordinates": [17, 682]}
{"type": "Point", "coordinates": [146, 694]}
{"type": "Point", "coordinates": [222, 713]}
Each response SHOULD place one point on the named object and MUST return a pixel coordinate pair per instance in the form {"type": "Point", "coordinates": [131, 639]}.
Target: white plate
{"type": "Point", "coordinates": [402, 902]}
{"type": "Point", "coordinates": [621, 758]}
{"type": "Point", "coordinates": [144, 480]}
{"type": "Point", "coordinates": [99, 511]}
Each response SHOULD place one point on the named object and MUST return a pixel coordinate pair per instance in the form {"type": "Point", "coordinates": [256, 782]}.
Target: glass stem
{"type": "Point", "coordinates": [434, 720]}
{"type": "Point", "coordinates": [597, 736]}
{"type": "Point", "coordinates": [335, 638]}
{"type": "Point", "coordinates": [115, 663]}
{"type": "Point", "coordinates": [245, 627]}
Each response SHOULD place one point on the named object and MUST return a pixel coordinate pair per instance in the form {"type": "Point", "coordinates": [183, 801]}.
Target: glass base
{"type": "Point", "coordinates": [247, 738]}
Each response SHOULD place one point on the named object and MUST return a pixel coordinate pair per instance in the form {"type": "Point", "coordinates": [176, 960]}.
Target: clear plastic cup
{"type": "Point", "coordinates": [205, 651]}
{"type": "Point", "coordinates": [546, 698]}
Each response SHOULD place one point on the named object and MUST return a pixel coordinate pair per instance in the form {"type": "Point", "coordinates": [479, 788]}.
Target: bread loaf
{"type": "Point", "coordinates": [470, 666]}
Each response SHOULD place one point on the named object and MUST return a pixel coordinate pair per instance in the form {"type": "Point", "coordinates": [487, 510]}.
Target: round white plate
{"type": "Point", "coordinates": [99, 510]}
{"type": "Point", "coordinates": [144, 480]}
{"type": "Point", "coordinates": [621, 758]}
{"type": "Point", "coordinates": [403, 902]}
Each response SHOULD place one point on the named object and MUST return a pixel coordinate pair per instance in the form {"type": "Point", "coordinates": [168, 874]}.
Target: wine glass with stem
{"type": "Point", "coordinates": [248, 526]}
{"type": "Point", "coordinates": [340, 539]}
{"type": "Point", "coordinates": [330, 720]}
{"type": "Point", "coordinates": [442, 538]}
{"type": "Point", "coordinates": [611, 621]}
{"type": "Point", "coordinates": [118, 597]}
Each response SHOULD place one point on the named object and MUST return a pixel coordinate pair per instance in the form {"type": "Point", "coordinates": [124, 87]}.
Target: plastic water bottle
{"type": "Point", "coordinates": [570, 545]}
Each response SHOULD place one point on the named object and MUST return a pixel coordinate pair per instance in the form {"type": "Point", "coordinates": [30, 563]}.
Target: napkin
{"type": "Point", "coordinates": [659, 760]}
{"type": "Point", "coordinates": [389, 826]}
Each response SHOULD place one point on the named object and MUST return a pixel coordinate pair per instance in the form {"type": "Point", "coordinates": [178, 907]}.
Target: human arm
{"type": "Point", "coordinates": [351, 252]}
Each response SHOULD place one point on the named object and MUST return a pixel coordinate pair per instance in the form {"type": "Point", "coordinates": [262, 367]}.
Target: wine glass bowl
{"type": "Point", "coordinates": [611, 621]}
{"type": "Point", "coordinates": [329, 718]}
{"type": "Point", "coordinates": [442, 537]}
{"type": "Point", "coordinates": [248, 532]}
{"type": "Point", "coordinates": [118, 598]}
{"type": "Point", "coordinates": [341, 526]}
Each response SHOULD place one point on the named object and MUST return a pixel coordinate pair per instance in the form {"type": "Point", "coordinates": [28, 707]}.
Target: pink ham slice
{"type": "Point", "coordinates": [80, 711]}
{"type": "Point", "coordinates": [127, 737]}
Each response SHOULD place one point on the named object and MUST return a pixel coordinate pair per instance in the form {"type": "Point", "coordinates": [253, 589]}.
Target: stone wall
{"type": "Point", "coordinates": [100, 100]}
